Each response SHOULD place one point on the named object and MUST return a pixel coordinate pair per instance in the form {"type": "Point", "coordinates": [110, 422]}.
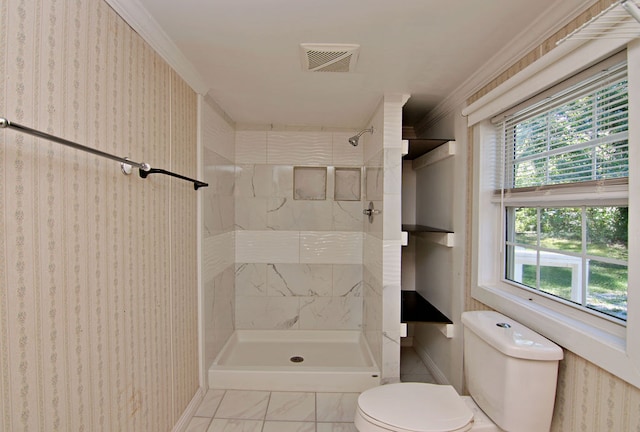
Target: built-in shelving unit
{"type": "Point", "coordinates": [416, 309]}
{"type": "Point", "coordinates": [423, 153]}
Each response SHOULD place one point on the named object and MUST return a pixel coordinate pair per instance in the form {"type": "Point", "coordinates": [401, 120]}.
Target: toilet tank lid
{"type": "Point", "coordinates": [510, 337]}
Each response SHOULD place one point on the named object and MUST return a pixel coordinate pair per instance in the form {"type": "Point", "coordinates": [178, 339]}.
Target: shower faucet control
{"type": "Point", "coordinates": [371, 211]}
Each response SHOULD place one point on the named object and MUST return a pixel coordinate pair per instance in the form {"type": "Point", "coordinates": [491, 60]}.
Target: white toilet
{"type": "Point", "coordinates": [511, 373]}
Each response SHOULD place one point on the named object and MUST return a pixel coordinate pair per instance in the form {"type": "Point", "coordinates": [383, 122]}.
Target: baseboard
{"type": "Point", "coordinates": [190, 410]}
{"type": "Point", "coordinates": [430, 364]}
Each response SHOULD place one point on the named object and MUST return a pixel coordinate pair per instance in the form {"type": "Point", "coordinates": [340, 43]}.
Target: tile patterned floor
{"type": "Point", "coordinates": [264, 411]}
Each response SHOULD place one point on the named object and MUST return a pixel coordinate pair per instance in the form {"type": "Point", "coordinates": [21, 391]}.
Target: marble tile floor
{"type": "Point", "coordinates": [264, 411]}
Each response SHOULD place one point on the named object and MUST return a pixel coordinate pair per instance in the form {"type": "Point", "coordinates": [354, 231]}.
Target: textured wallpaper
{"type": "Point", "coordinates": [98, 273]}
{"type": "Point", "coordinates": [588, 398]}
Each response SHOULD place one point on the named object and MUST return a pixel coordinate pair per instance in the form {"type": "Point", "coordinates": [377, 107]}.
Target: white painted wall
{"type": "Point", "coordinates": [441, 203]}
{"type": "Point", "coordinates": [408, 271]}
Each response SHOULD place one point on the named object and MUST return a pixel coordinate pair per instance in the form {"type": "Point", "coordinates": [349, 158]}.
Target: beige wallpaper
{"type": "Point", "coordinates": [542, 49]}
{"type": "Point", "coordinates": [97, 269]}
{"type": "Point", "coordinates": [588, 398]}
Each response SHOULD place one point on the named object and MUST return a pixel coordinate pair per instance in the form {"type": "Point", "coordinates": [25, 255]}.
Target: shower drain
{"type": "Point", "coordinates": [297, 359]}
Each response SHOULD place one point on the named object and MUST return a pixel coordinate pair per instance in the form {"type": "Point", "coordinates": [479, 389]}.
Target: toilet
{"type": "Point", "coordinates": [510, 371]}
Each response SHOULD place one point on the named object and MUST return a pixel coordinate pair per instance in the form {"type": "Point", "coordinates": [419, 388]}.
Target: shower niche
{"type": "Point", "coordinates": [311, 183]}
{"type": "Point", "coordinates": [347, 184]}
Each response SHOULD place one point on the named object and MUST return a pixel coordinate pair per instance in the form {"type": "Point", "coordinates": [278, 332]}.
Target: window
{"type": "Point", "coordinates": [574, 139]}
{"type": "Point", "coordinates": [556, 217]}
{"type": "Point", "coordinates": [575, 254]}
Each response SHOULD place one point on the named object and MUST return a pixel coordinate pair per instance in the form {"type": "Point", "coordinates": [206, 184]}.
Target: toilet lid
{"type": "Point", "coordinates": [418, 407]}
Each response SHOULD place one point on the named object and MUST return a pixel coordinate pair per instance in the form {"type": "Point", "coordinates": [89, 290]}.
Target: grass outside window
{"type": "Point", "coordinates": [578, 254]}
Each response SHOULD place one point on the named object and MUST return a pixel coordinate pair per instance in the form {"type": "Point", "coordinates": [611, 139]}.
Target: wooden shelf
{"type": "Point", "coordinates": [434, 235]}
{"type": "Point", "coordinates": [422, 228]}
{"type": "Point", "coordinates": [419, 147]}
{"type": "Point", "coordinates": [415, 308]}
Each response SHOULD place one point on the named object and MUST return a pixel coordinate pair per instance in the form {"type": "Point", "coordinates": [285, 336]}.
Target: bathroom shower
{"type": "Point", "coordinates": [354, 139]}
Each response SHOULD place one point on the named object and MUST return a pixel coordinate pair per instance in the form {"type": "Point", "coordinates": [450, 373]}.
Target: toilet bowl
{"type": "Point", "coordinates": [402, 407]}
{"type": "Point", "coordinates": [511, 375]}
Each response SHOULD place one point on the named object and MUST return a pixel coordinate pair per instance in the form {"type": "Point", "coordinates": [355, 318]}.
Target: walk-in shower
{"type": "Point", "coordinates": [295, 360]}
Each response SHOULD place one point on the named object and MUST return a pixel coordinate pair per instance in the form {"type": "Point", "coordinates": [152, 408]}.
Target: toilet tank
{"type": "Point", "coordinates": [510, 370]}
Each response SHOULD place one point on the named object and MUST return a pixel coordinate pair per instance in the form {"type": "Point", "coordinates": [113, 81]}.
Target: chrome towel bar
{"type": "Point", "coordinates": [125, 163]}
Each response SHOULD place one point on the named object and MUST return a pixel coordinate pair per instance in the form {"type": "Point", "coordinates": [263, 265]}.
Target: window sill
{"type": "Point", "coordinates": [605, 349]}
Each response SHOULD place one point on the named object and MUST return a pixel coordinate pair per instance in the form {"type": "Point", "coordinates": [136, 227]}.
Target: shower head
{"type": "Point", "coordinates": [354, 139]}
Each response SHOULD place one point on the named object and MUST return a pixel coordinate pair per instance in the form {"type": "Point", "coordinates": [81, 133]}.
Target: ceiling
{"type": "Point", "coordinates": [247, 51]}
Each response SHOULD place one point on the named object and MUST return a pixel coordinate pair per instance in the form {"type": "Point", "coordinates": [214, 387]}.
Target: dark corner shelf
{"type": "Point", "coordinates": [415, 308]}
{"type": "Point", "coordinates": [423, 228]}
{"type": "Point", "coordinates": [419, 147]}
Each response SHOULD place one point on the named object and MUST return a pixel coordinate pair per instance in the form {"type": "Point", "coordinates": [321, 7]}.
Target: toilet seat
{"type": "Point", "coordinates": [414, 407]}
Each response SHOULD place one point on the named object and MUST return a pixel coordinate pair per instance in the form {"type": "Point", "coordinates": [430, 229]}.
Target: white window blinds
{"type": "Point", "coordinates": [578, 134]}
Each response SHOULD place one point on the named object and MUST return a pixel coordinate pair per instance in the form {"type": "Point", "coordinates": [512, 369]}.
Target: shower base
{"type": "Point", "coordinates": [295, 360]}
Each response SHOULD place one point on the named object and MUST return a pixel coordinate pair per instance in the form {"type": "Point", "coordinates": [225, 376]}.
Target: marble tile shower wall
{"type": "Point", "coordinates": [298, 261]}
{"type": "Point", "coordinates": [218, 239]}
{"type": "Point", "coordinates": [381, 253]}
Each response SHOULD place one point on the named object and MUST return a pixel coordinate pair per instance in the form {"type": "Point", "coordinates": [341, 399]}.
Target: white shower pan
{"type": "Point", "coordinates": [295, 360]}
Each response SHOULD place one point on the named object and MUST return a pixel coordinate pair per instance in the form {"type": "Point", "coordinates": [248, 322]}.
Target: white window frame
{"type": "Point", "coordinates": [608, 344]}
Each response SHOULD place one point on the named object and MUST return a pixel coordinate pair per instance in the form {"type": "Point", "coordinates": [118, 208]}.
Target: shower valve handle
{"type": "Point", "coordinates": [371, 212]}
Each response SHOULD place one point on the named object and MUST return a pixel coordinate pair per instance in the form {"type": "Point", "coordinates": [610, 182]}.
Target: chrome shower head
{"type": "Point", "coordinates": [354, 139]}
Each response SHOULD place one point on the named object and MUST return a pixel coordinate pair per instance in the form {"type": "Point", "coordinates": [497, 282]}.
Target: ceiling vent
{"type": "Point", "coordinates": [329, 57]}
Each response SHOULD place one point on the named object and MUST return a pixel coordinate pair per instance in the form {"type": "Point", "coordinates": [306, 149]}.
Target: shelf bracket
{"type": "Point", "coordinates": [438, 154]}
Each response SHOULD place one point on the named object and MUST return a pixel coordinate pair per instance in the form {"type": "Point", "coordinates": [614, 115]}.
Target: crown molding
{"type": "Point", "coordinates": [561, 13]}
{"type": "Point", "coordinates": [148, 28]}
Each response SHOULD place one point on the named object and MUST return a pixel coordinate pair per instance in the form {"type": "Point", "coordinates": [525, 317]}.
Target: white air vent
{"type": "Point", "coordinates": [329, 57]}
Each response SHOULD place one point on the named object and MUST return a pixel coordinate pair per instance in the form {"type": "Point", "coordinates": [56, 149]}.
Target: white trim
{"type": "Point", "coordinates": [183, 422]}
{"type": "Point", "coordinates": [556, 66]}
{"type": "Point", "coordinates": [633, 321]}
{"type": "Point", "coordinates": [431, 365]}
{"type": "Point", "coordinates": [148, 28]}
{"type": "Point", "coordinates": [613, 196]}
{"type": "Point", "coordinates": [560, 13]}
